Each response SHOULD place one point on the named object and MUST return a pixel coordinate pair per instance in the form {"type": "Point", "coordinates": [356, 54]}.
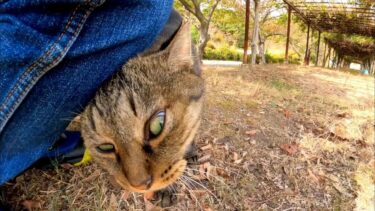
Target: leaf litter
{"type": "Point", "coordinates": [300, 147]}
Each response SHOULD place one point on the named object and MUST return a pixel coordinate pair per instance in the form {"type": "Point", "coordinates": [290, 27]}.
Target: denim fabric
{"type": "Point", "coordinates": [53, 57]}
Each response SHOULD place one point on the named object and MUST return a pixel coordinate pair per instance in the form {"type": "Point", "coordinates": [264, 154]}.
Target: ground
{"type": "Point", "coordinates": [273, 137]}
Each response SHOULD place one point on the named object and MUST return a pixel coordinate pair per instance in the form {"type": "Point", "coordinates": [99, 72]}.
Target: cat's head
{"type": "Point", "coordinates": [141, 123]}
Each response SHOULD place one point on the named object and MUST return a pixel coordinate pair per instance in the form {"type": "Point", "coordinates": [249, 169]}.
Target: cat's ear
{"type": "Point", "coordinates": [180, 52]}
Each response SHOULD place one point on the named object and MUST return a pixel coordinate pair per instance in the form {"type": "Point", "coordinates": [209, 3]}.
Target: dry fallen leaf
{"type": "Point", "coordinates": [222, 172]}
{"type": "Point", "coordinates": [290, 149]}
{"type": "Point", "coordinates": [32, 204]}
{"type": "Point", "coordinates": [207, 147]}
{"type": "Point", "coordinates": [318, 179]}
{"type": "Point", "coordinates": [223, 140]}
{"type": "Point", "coordinates": [113, 202]}
{"type": "Point", "coordinates": [197, 193]}
{"type": "Point", "coordinates": [286, 113]}
{"type": "Point", "coordinates": [342, 114]}
{"type": "Point", "coordinates": [235, 156]}
{"type": "Point", "coordinates": [202, 171]}
{"type": "Point", "coordinates": [204, 159]}
{"type": "Point", "coordinates": [207, 169]}
{"type": "Point", "coordinates": [251, 132]}
{"type": "Point", "coordinates": [149, 206]}
{"type": "Point", "coordinates": [125, 195]}
{"type": "Point", "coordinates": [207, 207]}
{"type": "Point", "coordinates": [66, 166]}
{"type": "Point", "coordinates": [226, 147]}
{"type": "Point", "coordinates": [92, 177]}
{"type": "Point", "coordinates": [238, 161]}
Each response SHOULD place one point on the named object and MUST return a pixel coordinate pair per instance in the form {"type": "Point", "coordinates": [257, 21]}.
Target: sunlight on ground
{"type": "Point", "coordinates": [365, 178]}
{"type": "Point", "coordinates": [273, 137]}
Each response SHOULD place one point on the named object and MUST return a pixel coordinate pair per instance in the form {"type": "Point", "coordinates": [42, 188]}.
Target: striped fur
{"type": "Point", "coordinates": [121, 108]}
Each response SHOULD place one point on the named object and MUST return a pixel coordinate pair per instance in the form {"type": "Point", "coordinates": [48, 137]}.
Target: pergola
{"type": "Point", "coordinates": [337, 16]}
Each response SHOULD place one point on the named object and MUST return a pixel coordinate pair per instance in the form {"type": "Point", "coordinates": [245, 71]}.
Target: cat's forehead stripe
{"type": "Point", "coordinates": [97, 107]}
{"type": "Point", "coordinates": [90, 119]}
{"type": "Point", "coordinates": [132, 103]}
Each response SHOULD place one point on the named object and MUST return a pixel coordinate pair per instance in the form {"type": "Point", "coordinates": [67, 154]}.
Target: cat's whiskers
{"type": "Point", "coordinates": [202, 186]}
{"type": "Point", "coordinates": [207, 177]}
{"type": "Point", "coordinates": [189, 189]}
{"type": "Point", "coordinates": [230, 171]}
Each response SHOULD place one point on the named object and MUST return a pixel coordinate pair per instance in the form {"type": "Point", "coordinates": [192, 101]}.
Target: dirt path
{"type": "Point", "coordinates": [272, 138]}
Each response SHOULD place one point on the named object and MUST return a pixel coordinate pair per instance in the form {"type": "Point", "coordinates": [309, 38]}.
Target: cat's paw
{"type": "Point", "coordinates": [191, 155]}
{"type": "Point", "coordinates": [165, 197]}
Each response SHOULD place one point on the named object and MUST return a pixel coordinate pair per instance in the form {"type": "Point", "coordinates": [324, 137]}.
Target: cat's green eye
{"type": "Point", "coordinates": [106, 148]}
{"type": "Point", "coordinates": [157, 124]}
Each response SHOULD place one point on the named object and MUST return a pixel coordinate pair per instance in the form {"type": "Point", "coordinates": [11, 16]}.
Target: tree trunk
{"type": "Point", "coordinates": [246, 40]}
{"type": "Point", "coordinates": [334, 58]}
{"type": "Point", "coordinates": [262, 49]}
{"type": "Point", "coordinates": [306, 62]}
{"type": "Point", "coordinates": [204, 21]}
{"type": "Point", "coordinates": [324, 55]}
{"type": "Point", "coordinates": [339, 58]}
{"type": "Point", "coordinates": [254, 43]}
{"type": "Point", "coordinates": [203, 38]}
{"type": "Point", "coordinates": [329, 56]}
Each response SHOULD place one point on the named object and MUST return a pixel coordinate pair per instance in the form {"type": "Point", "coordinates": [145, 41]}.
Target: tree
{"type": "Point", "coordinates": [265, 26]}
{"type": "Point", "coordinates": [246, 39]}
{"type": "Point", "coordinates": [203, 11]}
{"type": "Point", "coordinates": [254, 43]}
{"type": "Point", "coordinates": [269, 25]}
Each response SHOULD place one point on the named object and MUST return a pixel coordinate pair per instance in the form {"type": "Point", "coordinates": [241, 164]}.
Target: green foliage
{"type": "Point", "coordinates": [270, 59]}
{"type": "Point", "coordinates": [277, 58]}
{"type": "Point", "coordinates": [223, 52]}
{"type": "Point", "coordinates": [231, 22]}
{"type": "Point", "coordinates": [281, 85]}
{"type": "Point", "coordinates": [353, 38]}
{"type": "Point", "coordinates": [194, 34]}
{"type": "Point", "coordinates": [283, 19]}
{"type": "Point", "coordinates": [179, 7]}
{"type": "Point", "coordinates": [218, 37]}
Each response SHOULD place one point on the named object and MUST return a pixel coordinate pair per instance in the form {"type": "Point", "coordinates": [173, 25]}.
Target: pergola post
{"type": "Point", "coordinates": [246, 40]}
{"type": "Point", "coordinates": [287, 36]}
{"type": "Point", "coordinates": [317, 51]}
{"type": "Point", "coordinates": [307, 45]}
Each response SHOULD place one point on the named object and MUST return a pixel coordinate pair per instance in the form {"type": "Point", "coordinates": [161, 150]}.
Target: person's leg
{"type": "Point", "coordinates": [110, 37]}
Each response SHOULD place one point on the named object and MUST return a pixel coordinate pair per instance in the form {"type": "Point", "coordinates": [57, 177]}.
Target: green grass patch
{"type": "Point", "coordinates": [281, 85]}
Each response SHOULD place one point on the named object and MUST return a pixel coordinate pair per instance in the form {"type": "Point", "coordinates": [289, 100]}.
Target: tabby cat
{"type": "Point", "coordinates": [140, 124]}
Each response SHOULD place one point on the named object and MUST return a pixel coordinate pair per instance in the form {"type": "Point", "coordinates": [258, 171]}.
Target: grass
{"type": "Point", "coordinates": [281, 85]}
{"type": "Point", "coordinates": [249, 115]}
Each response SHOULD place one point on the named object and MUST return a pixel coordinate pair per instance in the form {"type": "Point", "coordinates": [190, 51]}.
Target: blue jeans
{"type": "Point", "coordinates": [54, 54]}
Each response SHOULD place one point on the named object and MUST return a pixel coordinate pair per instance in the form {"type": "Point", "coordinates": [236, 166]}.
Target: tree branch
{"type": "Point", "coordinates": [188, 7]}
{"type": "Point", "coordinates": [213, 10]}
{"type": "Point", "coordinates": [274, 34]}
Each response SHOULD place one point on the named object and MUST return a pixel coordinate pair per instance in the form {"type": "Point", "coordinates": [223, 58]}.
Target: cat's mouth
{"type": "Point", "coordinates": [160, 178]}
{"type": "Point", "coordinates": [165, 176]}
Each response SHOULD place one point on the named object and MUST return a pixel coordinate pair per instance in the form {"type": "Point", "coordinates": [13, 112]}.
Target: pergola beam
{"type": "Point", "coordinates": [334, 17]}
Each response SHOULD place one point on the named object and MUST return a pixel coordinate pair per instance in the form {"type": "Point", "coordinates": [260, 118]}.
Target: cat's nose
{"type": "Point", "coordinates": [144, 184]}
